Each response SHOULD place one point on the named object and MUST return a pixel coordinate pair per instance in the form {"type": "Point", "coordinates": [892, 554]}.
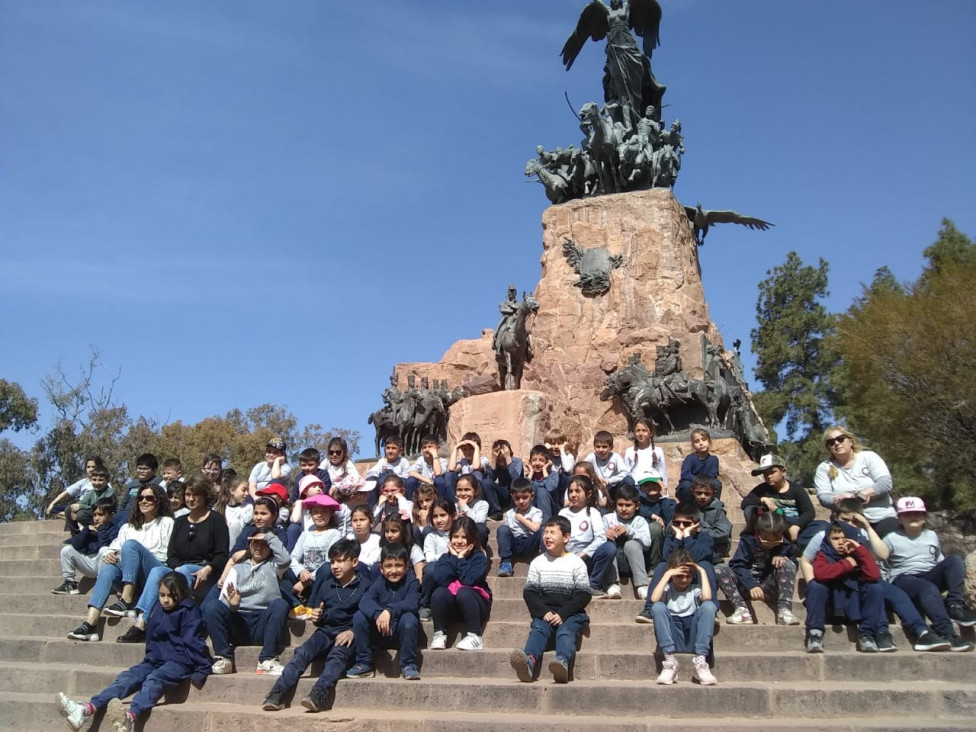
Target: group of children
{"type": "Point", "coordinates": [367, 559]}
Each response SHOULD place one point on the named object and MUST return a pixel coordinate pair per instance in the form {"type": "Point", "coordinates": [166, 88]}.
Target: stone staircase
{"type": "Point", "coordinates": [766, 681]}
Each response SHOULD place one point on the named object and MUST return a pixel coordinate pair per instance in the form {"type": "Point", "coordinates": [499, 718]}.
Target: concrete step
{"type": "Point", "coordinates": [20, 711]}
{"type": "Point", "coordinates": [592, 664]}
{"type": "Point", "coordinates": [799, 698]}
{"type": "Point", "coordinates": [608, 636]}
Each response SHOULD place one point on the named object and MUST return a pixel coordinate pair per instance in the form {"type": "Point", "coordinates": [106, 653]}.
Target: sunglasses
{"type": "Point", "coordinates": [147, 499]}
{"type": "Point", "coordinates": [335, 452]}
{"type": "Point", "coordinates": [835, 440]}
{"type": "Point", "coordinates": [191, 534]}
{"type": "Point", "coordinates": [682, 524]}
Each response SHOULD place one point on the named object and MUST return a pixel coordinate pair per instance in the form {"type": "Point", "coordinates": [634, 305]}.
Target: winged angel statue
{"type": "Point", "coordinates": [627, 79]}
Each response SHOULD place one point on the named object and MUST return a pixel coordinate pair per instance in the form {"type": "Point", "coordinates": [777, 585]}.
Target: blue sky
{"type": "Point", "coordinates": [247, 202]}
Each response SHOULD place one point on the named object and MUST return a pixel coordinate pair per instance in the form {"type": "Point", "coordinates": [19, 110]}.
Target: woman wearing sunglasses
{"type": "Point", "coordinates": [149, 528]}
{"type": "Point", "coordinates": [198, 549]}
{"type": "Point", "coordinates": [850, 472]}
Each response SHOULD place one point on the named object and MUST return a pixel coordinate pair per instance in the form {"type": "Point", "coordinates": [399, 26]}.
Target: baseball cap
{"type": "Point", "coordinates": [275, 489]}
{"type": "Point", "coordinates": [769, 461]}
{"type": "Point", "coordinates": [910, 505]}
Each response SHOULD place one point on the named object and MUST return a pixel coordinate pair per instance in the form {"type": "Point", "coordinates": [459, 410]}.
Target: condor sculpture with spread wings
{"type": "Point", "coordinates": [701, 219]}
{"type": "Point", "coordinates": [627, 79]}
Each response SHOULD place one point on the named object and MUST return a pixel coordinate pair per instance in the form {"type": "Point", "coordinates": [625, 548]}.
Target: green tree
{"type": "Point", "coordinates": [794, 360]}
{"type": "Point", "coordinates": [910, 355]}
{"type": "Point", "coordinates": [17, 410]}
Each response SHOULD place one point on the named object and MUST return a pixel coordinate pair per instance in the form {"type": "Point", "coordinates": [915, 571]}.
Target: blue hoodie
{"type": "Point", "coordinates": [399, 598]}
{"type": "Point", "coordinates": [178, 636]}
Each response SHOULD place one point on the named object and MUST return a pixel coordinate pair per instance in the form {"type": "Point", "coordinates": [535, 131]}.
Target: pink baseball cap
{"type": "Point", "coordinates": [910, 505]}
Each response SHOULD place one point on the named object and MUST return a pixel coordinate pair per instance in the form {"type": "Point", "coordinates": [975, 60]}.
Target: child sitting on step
{"type": "Point", "coordinates": [556, 592]}
{"type": "Point", "coordinates": [175, 652]}
{"type": "Point", "coordinates": [684, 617]}
{"type": "Point", "coordinates": [763, 566]}
{"type": "Point", "coordinates": [387, 616]}
{"type": "Point", "coordinates": [460, 588]}
{"type": "Point", "coordinates": [336, 595]}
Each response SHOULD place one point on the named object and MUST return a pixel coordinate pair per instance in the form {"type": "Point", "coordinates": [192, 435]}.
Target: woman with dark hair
{"type": "Point", "coordinates": [198, 549]}
{"type": "Point", "coordinates": [149, 528]}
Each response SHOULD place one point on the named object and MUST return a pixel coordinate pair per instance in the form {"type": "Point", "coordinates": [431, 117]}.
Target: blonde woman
{"type": "Point", "coordinates": [851, 472]}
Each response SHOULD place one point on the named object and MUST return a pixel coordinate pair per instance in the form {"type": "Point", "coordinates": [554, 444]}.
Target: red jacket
{"type": "Point", "coordinates": [826, 571]}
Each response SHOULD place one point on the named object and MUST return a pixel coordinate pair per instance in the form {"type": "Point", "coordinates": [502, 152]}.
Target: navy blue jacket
{"type": "Point", "coordinates": [341, 603]}
{"type": "Point", "coordinates": [701, 546]}
{"type": "Point", "coordinates": [745, 559]}
{"type": "Point", "coordinates": [178, 636]}
{"type": "Point", "coordinates": [663, 508]}
{"type": "Point", "coordinates": [88, 542]}
{"type": "Point", "coordinates": [470, 571]}
{"type": "Point", "coordinates": [402, 597]}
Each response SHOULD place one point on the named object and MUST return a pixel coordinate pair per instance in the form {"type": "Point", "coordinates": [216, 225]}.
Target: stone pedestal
{"type": "Point", "coordinates": [522, 417]}
{"type": "Point", "coordinates": [655, 296]}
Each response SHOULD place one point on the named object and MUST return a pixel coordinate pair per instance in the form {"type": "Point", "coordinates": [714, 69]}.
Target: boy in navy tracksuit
{"type": "Point", "coordinates": [388, 615]}
{"type": "Point", "coordinates": [336, 595]}
{"type": "Point", "coordinates": [546, 482]}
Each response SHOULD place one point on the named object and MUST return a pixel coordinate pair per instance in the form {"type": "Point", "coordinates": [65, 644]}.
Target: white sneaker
{"type": "Point", "coordinates": [438, 642]}
{"type": "Point", "coordinates": [222, 666]}
{"type": "Point", "coordinates": [669, 670]}
{"type": "Point", "coordinates": [642, 592]}
{"type": "Point", "coordinates": [786, 617]}
{"type": "Point", "coordinates": [702, 672]}
{"type": "Point", "coordinates": [471, 642]}
{"type": "Point", "coordinates": [271, 667]}
{"type": "Point", "coordinates": [613, 591]}
{"type": "Point", "coordinates": [741, 616]}
{"type": "Point", "coordinates": [72, 711]}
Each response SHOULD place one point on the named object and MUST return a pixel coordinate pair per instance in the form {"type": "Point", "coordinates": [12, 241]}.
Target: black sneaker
{"type": "Point", "coordinates": [121, 609]}
{"type": "Point", "coordinates": [959, 645]}
{"type": "Point", "coordinates": [135, 634]}
{"type": "Point", "coordinates": [317, 700]}
{"type": "Point", "coordinates": [886, 644]}
{"type": "Point", "coordinates": [69, 587]}
{"type": "Point", "coordinates": [274, 701]}
{"type": "Point", "coordinates": [867, 644]}
{"type": "Point", "coordinates": [84, 632]}
{"type": "Point", "coordinates": [644, 617]}
{"type": "Point", "coordinates": [962, 615]}
{"type": "Point", "coordinates": [929, 641]}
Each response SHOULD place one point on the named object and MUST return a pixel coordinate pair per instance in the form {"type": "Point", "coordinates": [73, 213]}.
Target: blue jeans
{"type": "Point", "coordinates": [600, 562]}
{"type": "Point", "coordinates": [540, 632]}
{"type": "Point", "coordinates": [150, 591]}
{"type": "Point", "coordinates": [246, 627]}
{"type": "Point", "coordinates": [405, 631]}
{"type": "Point", "coordinates": [322, 643]}
{"type": "Point", "coordinates": [136, 562]}
{"type": "Point", "coordinates": [674, 637]}
{"type": "Point", "coordinates": [510, 545]}
{"type": "Point", "coordinates": [108, 575]}
{"type": "Point", "coordinates": [149, 680]}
